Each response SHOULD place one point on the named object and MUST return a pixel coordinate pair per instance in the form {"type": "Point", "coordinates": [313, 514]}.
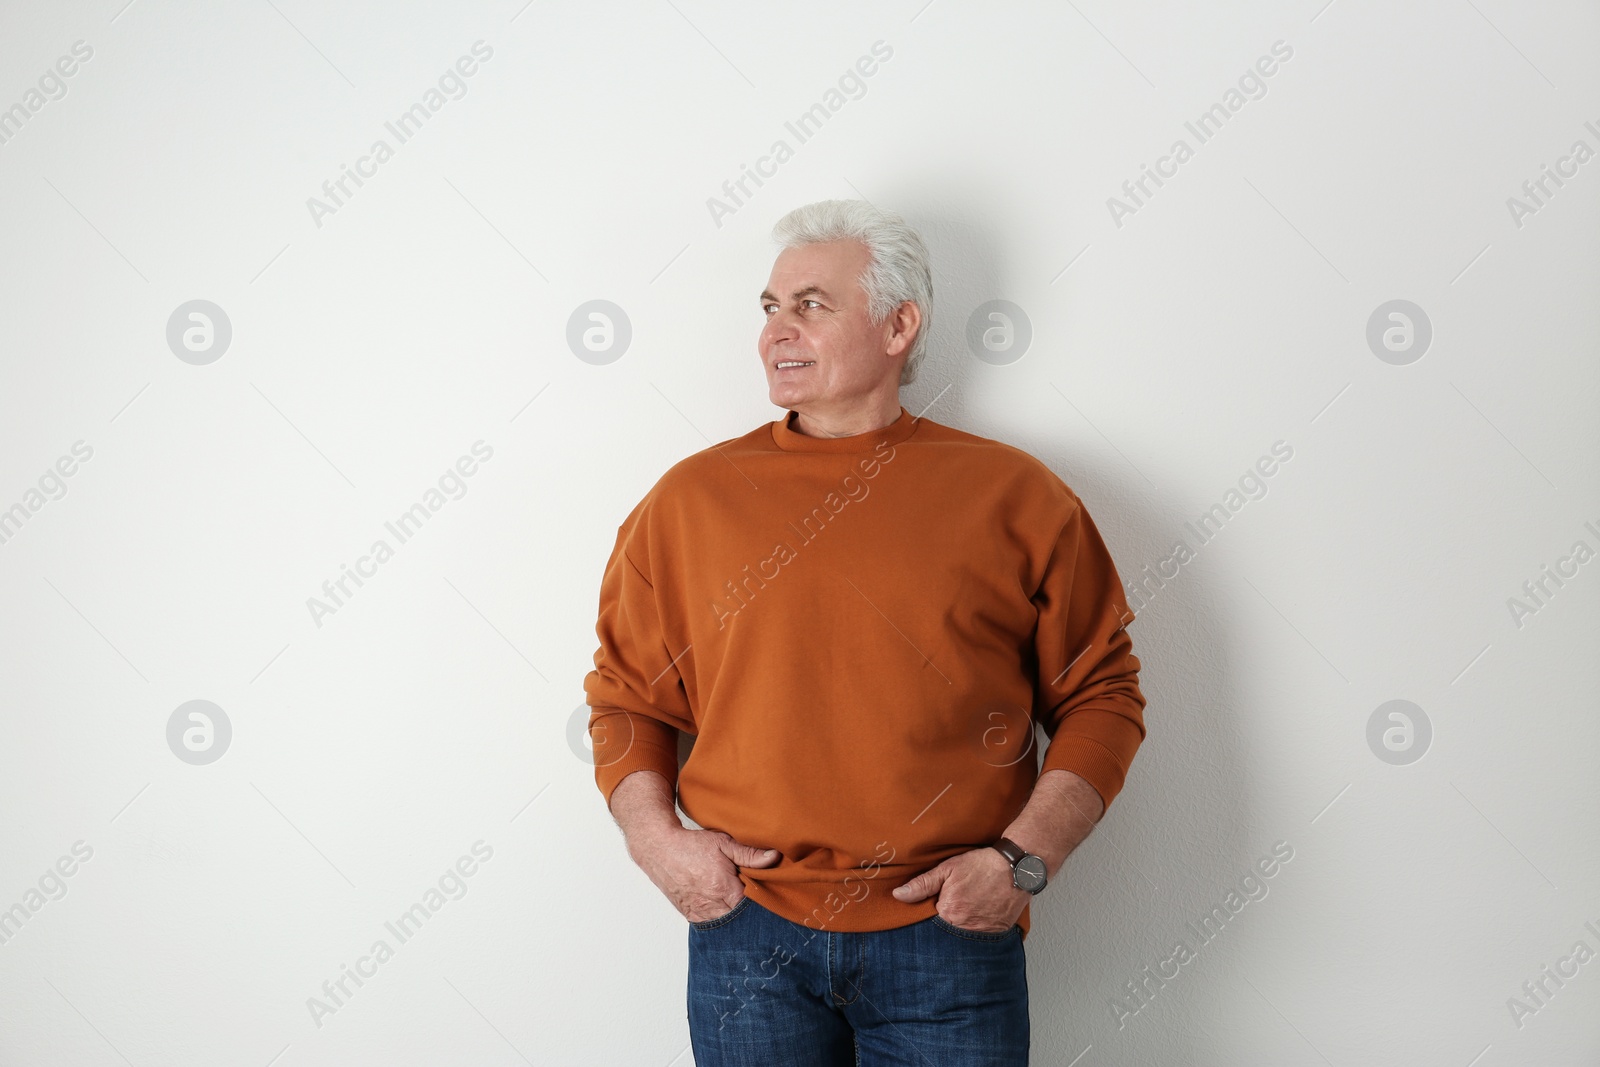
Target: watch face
{"type": "Point", "coordinates": [1028, 873]}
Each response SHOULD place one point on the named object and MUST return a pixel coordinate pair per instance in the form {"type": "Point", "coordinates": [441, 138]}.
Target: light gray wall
{"type": "Point", "coordinates": [371, 748]}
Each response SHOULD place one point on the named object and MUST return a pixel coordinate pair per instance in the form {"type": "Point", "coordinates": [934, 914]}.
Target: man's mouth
{"type": "Point", "coordinates": [791, 364]}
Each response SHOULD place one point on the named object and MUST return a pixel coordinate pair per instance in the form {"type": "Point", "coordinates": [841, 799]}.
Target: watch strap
{"type": "Point", "coordinates": [1010, 850]}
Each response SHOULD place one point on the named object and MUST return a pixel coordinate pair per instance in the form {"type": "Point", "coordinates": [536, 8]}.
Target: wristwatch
{"type": "Point", "coordinates": [1027, 870]}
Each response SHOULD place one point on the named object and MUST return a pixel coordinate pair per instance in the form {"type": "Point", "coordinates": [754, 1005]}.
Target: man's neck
{"type": "Point", "coordinates": [847, 422]}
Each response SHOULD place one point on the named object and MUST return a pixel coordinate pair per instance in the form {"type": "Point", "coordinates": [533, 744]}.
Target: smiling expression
{"type": "Point", "coordinates": [816, 315]}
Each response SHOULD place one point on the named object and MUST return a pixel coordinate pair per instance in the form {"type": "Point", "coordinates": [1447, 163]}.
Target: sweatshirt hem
{"type": "Point", "coordinates": [824, 907]}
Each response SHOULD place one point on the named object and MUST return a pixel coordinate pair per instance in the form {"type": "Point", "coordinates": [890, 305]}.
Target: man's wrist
{"type": "Point", "coordinates": [1022, 840]}
{"type": "Point", "coordinates": [644, 807]}
{"type": "Point", "coordinates": [1061, 812]}
{"type": "Point", "coordinates": [1037, 844]}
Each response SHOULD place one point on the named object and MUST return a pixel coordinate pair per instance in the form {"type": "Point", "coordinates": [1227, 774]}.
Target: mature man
{"type": "Point", "coordinates": [859, 615]}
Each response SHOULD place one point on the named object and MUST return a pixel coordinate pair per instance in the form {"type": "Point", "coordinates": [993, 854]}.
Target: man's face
{"type": "Point", "coordinates": [817, 315]}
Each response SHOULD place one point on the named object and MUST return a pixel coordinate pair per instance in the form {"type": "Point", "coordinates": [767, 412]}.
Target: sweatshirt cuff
{"type": "Point", "coordinates": [1097, 745]}
{"type": "Point", "coordinates": [624, 742]}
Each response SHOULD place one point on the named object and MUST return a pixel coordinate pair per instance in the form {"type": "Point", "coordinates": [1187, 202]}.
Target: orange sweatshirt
{"type": "Point", "coordinates": [860, 633]}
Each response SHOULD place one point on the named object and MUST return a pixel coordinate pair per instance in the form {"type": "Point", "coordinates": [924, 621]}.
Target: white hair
{"type": "Point", "coordinates": [899, 269]}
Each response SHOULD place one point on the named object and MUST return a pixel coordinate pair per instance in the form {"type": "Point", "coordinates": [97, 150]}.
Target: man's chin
{"type": "Point", "coordinates": [783, 396]}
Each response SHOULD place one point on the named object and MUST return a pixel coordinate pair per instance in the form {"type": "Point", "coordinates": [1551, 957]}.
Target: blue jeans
{"type": "Point", "coordinates": [765, 990]}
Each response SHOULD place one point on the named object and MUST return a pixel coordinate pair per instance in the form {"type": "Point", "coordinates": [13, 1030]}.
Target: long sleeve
{"type": "Point", "coordinates": [1087, 694]}
{"type": "Point", "coordinates": [635, 693]}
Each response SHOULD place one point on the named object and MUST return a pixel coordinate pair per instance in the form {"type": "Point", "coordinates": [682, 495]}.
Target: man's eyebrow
{"type": "Point", "coordinates": [798, 294]}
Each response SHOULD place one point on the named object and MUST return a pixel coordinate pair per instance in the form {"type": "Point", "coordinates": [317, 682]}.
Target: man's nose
{"type": "Point", "coordinates": [780, 326]}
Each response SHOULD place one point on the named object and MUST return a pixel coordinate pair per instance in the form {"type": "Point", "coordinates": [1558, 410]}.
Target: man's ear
{"type": "Point", "coordinates": [904, 322]}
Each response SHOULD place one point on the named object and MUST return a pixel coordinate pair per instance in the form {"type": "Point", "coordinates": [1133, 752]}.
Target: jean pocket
{"type": "Point", "coordinates": [727, 916]}
{"type": "Point", "coordinates": [941, 923]}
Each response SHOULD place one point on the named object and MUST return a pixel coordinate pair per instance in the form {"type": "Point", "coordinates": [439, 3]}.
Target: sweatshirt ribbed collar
{"type": "Point", "coordinates": [791, 440]}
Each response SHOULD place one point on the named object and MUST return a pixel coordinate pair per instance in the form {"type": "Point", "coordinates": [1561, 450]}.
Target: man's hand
{"type": "Point", "coordinates": [975, 891]}
{"type": "Point", "coordinates": [698, 870]}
